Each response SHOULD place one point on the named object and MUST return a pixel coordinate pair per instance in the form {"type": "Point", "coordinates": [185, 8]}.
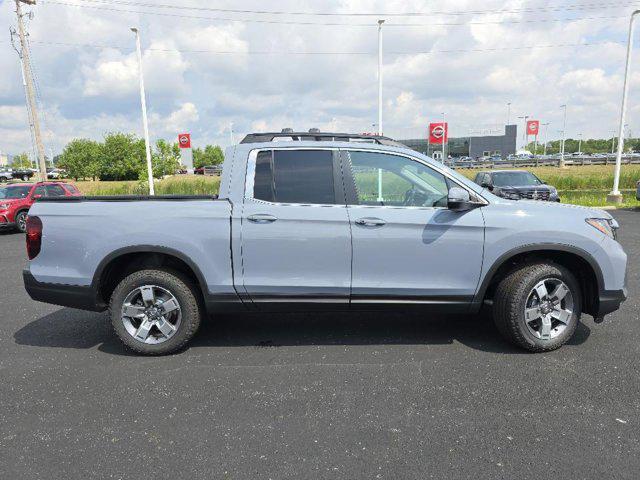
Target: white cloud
{"type": "Point", "coordinates": [469, 71]}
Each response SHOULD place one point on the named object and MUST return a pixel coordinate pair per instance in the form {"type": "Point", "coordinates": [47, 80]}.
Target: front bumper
{"type": "Point", "coordinates": [74, 296]}
{"type": "Point", "coordinates": [4, 221]}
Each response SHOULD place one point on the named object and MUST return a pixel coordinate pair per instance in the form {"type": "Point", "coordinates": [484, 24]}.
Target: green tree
{"type": "Point", "coordinates": [21, 161]}
{"type": "Point", "coordinates": [81, 158]}
{"type": "Point", "coordinates": [122, 158]}
{"type": "Point", "coordinates": [165, 160]}
{"type": "Point", "coordinates": [211, 155]}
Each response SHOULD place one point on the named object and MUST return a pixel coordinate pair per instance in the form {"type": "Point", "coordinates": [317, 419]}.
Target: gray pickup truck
{"type": "Point", "coordinates": [326, 221]}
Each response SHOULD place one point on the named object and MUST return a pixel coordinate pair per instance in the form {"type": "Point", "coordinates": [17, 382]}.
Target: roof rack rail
{"type": "Point", "coordinates": [314, 136]}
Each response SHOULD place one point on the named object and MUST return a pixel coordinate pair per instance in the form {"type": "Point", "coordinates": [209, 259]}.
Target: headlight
{"type": "Point", "coordinates": [604, 225]}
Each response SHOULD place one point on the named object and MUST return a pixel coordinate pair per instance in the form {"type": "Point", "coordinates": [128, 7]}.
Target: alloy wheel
{"type": "Point", "coordinates": [549, 309]}
{"type": "Point", "coordinates": [151, 314]}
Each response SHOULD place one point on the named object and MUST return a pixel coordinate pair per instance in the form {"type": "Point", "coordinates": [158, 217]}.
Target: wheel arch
{"type": "Point", "coordinates": [578, 261]}
{"type": "Point", "coordinates": [122, 262]}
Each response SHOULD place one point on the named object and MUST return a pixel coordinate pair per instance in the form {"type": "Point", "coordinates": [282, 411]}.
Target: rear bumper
{"type": "Point", "coordinates": [610, 301]}
{"type": "Point", "coordinates": [74, 296]}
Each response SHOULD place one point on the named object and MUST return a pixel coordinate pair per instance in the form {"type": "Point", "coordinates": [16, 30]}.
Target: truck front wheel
{"type": "Point", "coordinates": [155, 312]}
{"type": "Point", "coordinates": [537, 306]}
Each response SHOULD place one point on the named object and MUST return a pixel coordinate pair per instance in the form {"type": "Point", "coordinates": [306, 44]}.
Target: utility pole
{"type": "Point", "coordinates": [546, 128]}
{"type": "Point", "coordinates": [143, 102]}
{"type": "Point", "coordinates": [613, 142]}
{"type": "Point", "coordinates": [380, 22]}
{"type": "Point", "coordinates": [564, 131]}
{"type": "Point", "coordinates": [31, 97]}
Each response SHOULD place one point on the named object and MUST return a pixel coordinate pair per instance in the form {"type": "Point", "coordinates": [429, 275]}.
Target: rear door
{"type": "Point", "coordinates": [296, 241]}
{"type": "Point", "coordinates": [408, 247]}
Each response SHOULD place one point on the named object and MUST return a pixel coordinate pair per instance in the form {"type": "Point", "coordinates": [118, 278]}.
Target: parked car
{"type": "Point", "coordinates": [516, 185]}
{"type": "Point", "coordinates": [17, 199]}
{"type": "Point", "coordinates": [326, 224]}
{"type": "Point", "coordinates": [638, 190]}
{"type": "Point", "coordinates": [22, 174]}
{"type": "Point", "coordinates": [55, 173]}
{"type": "Point", "coordinates": [5, 176]}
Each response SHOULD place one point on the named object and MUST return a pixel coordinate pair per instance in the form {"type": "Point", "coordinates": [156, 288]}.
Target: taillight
{"type": "Point", "coordinates": [34, 236]}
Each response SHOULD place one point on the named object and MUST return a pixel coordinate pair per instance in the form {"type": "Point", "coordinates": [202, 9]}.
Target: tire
{"type": "Point", "coordinates": [181, 323]}
{"type": "Point", "coordinates": [526, 321]}
{"type": "Point", "coordinates": [21, 221]}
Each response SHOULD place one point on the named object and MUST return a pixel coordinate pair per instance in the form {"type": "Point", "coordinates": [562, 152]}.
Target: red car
{"type": "Point", "coordinates": [16, 199]}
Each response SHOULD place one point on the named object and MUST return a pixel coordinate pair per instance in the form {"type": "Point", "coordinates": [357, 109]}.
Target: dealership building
{"type": "Point", "coordinates": [483, 143]}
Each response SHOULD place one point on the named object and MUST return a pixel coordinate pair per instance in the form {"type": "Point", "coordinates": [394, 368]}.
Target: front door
{"type": "Point", "coordinates": [408, 247]}
{"type": "Point", "coordinates": [296, 240]}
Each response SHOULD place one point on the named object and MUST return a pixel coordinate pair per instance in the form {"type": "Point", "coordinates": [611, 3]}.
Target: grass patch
{"type": "Point", "coordinates": [176, 185]}
{"type": "Point", "coordinates": [588, 177]}
{"type": "Point", "coordinates": [597, 198]}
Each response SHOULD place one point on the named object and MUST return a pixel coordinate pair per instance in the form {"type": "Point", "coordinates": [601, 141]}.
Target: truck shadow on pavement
{"type": "Point", "coordinates": [75, 329]}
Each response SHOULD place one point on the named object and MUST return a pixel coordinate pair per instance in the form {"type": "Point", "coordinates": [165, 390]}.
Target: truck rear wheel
{"type": "Point", "coordinates": [155, 312]}
{"type": "Point", "coordinates": [537, 307]}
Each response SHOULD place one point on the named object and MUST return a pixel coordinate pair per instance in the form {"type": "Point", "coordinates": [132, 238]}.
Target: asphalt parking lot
{"type": "Point", "coordinates": [316, 396]}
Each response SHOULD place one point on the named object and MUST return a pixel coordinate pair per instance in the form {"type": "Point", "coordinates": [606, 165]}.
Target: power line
{"type": "Point", "coordinates": [266, 52]}
{"type": "Point", "coordinates": [335, 24]}
{"type": "Point", "coordinates": [587, 6]}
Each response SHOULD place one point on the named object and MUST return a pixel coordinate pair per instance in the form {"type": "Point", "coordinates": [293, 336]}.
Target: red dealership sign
{"type": "Point", "coordinates": [438, 133]}
{"type": "Point", "coordinates": [184, 140]}
{"type": "Point", "coordinates": [533, 127]}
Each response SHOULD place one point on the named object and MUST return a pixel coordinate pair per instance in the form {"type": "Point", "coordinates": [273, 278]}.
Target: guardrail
{"type": "Point", "coordinates": [539, 162]}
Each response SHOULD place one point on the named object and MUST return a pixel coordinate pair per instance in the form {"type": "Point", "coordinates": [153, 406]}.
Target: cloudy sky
{"type": "Point", "coordinates": [207, 67]}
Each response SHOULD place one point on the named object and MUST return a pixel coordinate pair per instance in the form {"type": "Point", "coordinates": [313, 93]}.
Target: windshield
{"type": "Point", "coordinates": [18, 191]}
{"type": "Point", "coordinates": [515, 179]}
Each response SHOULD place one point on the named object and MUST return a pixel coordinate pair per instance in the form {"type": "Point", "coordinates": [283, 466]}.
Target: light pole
{"type": "Point", "coordinates": [613, 142]}
{"type": "Point", "coordinates": [143, 103]}
{"type": "Point", "coordinates": [580, 143]}
{"type": "Point", "coordinates": [615, 196]}
{"type": "Point", "coordinates": [380, 22]}
{"type": "Point", "coordinates": [564, 131]}
{"type": "Point", "coordinates": [444, 134]}
{"type": "Point", "coordinates": [546, 128]}
{"type": "Point", "coordinates": [524, 132]}
{"type": "Point", "coordinates": [508, 113]}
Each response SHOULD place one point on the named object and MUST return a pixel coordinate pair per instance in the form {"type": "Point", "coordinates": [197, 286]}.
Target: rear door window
{"type": "Point", "coordinates": [295, 176]}
{"type": "Point", "coordinates": [71, 188]}
{"type": "Point", "coordinates": [55, 191]}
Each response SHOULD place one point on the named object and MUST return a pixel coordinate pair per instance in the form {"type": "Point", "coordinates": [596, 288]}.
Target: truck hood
{"type": "Point", "coordinates": [535, 207]}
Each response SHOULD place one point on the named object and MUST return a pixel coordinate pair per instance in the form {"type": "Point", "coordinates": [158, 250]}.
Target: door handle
{"type": "Point", "coordinates": [370, 222]}
{"type": "Point", "coordinates": [261, 218]}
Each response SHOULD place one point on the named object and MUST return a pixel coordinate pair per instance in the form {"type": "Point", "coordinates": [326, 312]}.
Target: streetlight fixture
{"type": "Point", "coordinates": [143, 103]}
{"type": "Point", "coordinates": [564, 131]}
{"type": "Point", "coordinates": [615, 196]}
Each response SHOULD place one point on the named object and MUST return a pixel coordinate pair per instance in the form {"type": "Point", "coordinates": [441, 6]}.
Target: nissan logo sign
{"type": "Point", "coordinates": [184, 140]}
{"type": "Point", "coordinates": [438, 131]}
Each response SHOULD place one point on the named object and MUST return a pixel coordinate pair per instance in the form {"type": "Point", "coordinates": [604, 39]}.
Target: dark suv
{"type": "Point", "coordinates": [516, 185]}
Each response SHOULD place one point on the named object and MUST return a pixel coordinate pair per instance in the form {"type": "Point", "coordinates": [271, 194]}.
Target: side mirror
{"type": "Point", "coordinates": [36, 197]}
{"type": "Point", "coordinates": [459, 200]}
{"type": "Point", "coordinates": [485, 185]}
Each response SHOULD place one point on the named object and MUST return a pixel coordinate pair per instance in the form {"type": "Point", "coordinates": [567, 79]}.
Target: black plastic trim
{"type": "Point", "coordinates": [74, 296]}
{"type": "Point", "coordinates": [609, 301]}
{"type": "Point", "coordinates": [211, 299]}
{"type": "Point", "coordinates": [479, 297]}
